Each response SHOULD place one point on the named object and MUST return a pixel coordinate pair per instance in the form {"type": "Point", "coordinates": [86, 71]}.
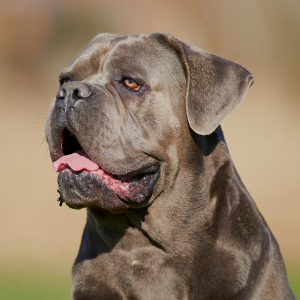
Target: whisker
{"type": "Point", "coordinates": [46, 153]}
{"type": "Point", "coordinates": [43, 140]}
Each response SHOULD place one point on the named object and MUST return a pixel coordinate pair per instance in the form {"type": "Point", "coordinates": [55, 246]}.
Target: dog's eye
{"type": "Point", "coordinates": [65, 81]}
{"type": "Point", "coordinates": [132, 84]}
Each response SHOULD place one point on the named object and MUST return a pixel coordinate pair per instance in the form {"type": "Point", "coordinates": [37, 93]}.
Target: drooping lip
{"type": "Point", "coordinates": [132, 186]}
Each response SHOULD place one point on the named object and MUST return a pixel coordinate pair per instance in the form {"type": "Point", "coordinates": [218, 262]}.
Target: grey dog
{"type": "Point", "coordinates": [135, 134]}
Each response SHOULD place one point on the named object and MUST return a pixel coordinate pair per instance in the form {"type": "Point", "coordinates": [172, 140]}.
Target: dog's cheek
{"type": "Point", "coordinates": [153, 123]}
{"type": "Point", "coordinates": [48, 123]}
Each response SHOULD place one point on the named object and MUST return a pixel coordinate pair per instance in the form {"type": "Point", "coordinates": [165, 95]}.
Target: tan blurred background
{"type": "Point", "coordinates": [39, 38]}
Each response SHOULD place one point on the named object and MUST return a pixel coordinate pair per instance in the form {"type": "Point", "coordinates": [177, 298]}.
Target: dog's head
{"type": "Point", "coordinates": [120, 124]}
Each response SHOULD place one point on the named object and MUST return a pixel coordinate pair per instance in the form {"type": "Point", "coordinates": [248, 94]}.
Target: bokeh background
{"type": "Point", "coordinates": [39, 240]}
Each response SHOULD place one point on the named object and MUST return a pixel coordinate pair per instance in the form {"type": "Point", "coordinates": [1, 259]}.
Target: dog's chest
{"type": "Point", "coordinates": [143, 273]}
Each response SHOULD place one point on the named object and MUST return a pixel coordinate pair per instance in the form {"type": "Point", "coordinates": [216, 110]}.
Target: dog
{"type": "Point", "coordinates": [134, 132]}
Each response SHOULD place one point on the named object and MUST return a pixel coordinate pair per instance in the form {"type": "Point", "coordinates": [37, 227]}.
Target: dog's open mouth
{"type": "Point", "coordinates": [131, 187]}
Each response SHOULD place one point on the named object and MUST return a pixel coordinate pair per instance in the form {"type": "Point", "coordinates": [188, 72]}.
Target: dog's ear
{"type": "Point", "coordinates": [215, 85]}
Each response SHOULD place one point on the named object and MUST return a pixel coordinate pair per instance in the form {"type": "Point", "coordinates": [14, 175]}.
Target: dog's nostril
{"type": "Point", "coordinates": [61, 94]}
{"type": "Point", "coordinates": [73, 92]}
{"type": "Point", "coordinates": [76, 93]}
{"type": "Point", "coordinates": [81, 91]}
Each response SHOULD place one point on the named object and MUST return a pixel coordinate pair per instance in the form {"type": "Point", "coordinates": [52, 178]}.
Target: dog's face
{"type": "Point", "coordinates": [113, 102]}
{"type": "Point", "coordinates": [119, 127]}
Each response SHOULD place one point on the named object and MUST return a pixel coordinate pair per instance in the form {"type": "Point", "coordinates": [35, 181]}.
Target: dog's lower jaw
{"type": "Point", "coordinates": [87, 189]}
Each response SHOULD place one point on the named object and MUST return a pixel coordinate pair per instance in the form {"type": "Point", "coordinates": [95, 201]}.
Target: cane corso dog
{"type": "Point", "coordinates": [135, 135]}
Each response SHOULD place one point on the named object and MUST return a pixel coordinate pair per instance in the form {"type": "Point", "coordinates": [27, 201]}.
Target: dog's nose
{"type": "Point", "coordinates": [71, 92]}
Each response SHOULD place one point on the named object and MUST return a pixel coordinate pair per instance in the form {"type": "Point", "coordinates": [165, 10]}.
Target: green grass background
{"type": "Point", "coordinates": [33, 286]}
{"type": "Point", "coordinates": [293, 272]}
{"type": "Point", "coordinates": [21, 286]}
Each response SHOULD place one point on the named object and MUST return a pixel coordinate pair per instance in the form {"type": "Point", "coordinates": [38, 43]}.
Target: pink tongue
{"type": "Point", "coordinates": [77, 161]}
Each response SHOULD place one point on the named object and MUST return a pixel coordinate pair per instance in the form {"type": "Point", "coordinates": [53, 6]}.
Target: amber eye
{"type": "Point", "coordinates": [132, 84]}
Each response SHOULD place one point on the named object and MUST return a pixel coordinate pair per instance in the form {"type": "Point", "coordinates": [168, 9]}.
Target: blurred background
{"type": "Point", "coordinates": [40, 240]}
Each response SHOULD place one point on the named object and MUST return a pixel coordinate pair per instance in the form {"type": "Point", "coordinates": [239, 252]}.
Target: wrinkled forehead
{"type": "Point", "coordinates": [141, 54]}
{"type": "Point", "coordinates": [88, 60]}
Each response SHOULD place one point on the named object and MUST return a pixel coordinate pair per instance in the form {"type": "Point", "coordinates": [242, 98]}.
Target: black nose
{"type": "Point", "coordinates": [71, 92]}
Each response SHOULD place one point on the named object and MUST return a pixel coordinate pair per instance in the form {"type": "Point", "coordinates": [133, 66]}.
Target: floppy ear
{"type": "Point", "coordinates": [215, 85]}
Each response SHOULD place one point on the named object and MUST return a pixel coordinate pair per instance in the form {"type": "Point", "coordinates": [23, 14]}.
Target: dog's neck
{"type": "Point", "coordinates": [136, 227]}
